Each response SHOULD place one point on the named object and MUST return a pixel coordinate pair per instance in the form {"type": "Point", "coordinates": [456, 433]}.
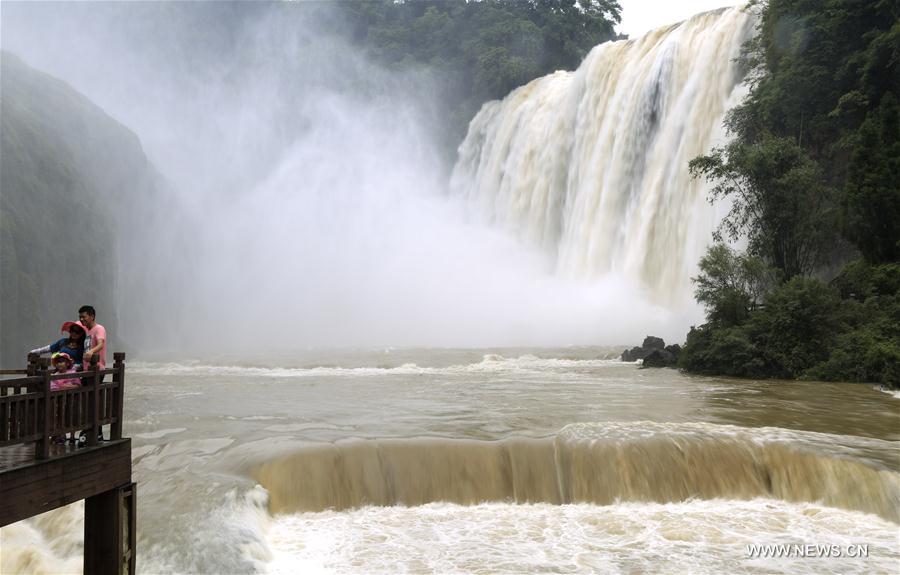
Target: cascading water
{"type": "Point", "coordinates": [591, 165]}
{"type": "Point", "coordinates": [588, 463]}
{"type": "Point", "coordinates": [513, 461]}
{"type": "Point", "coordinates": [458, 460]}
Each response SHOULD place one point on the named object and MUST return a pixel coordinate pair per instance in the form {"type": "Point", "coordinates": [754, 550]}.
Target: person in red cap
{"type": "Point", "coordinates": [73, 345]}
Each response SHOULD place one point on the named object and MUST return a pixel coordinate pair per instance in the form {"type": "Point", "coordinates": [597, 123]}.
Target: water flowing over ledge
{"type": "Point", "coordinates": [588, 463]}
{"type": "Point", "coordinates": [591, 165]}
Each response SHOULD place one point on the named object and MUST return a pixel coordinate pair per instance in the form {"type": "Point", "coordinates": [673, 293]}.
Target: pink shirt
{"type": "Point", "coordinates": [95, 334]}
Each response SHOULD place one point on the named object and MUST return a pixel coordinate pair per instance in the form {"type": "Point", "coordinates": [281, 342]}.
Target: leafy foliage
{"type": "Point", "coordinates": [814, 162]}
{"type": "Point", "coordinates": [871, 202]}
{"type": "Point", "coordinates": [726, 351]}
{"type": "Point", "coordinates": [806, 330]}
{"type": "Point", "coordinates": [817, 140]}
{"type": "Point", "coordinates": [482, 50]}
{"type": "Point", "coordinates": [797, 328]}
{"type": "Point", "coordinates": [778, 201]}
{"type": "Point", "coordinates": [731, 285]}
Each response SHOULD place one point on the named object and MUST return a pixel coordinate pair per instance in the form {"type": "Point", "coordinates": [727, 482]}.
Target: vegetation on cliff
{"type": "Point", "coordinates": [813, 177]}
{"type": "Point", "coordinates": [479, 51]}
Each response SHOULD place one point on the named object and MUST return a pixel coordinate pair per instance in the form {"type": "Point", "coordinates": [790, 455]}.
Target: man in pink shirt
{"type": "Point", "coordinates": [95, 342]}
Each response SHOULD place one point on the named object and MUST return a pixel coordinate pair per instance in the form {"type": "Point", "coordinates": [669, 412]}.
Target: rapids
{"type": "Point", "coordinates": [504, 460]}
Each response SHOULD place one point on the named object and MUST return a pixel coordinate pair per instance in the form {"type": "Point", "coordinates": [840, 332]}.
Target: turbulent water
{"type": "Point", "coordinates": [591, 165]}
{"type": "Point", "coordinates": [513, 460]}
{"type": "Point", "coordinates": [487, 461]}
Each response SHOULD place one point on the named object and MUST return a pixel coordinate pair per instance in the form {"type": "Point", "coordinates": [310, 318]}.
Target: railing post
{"type": "Point", "coordinates": [33, 359]}
{"type": "Point", "coordinates": [42, 448]}
{"type": "Point", "coordinates": [34, 365]}
{"type": "Point", "coordinates": [115, 431]}
{"type": "Point", "coordinates": [95, 404]}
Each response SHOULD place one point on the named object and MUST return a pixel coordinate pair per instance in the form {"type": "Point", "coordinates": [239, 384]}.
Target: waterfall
{"type": "Point", "coordinates": [591, 166]}
{"type": "Point", "coordinates": [602, 463]}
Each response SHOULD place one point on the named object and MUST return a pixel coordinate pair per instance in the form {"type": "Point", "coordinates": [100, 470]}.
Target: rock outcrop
{"type": "Point", "coordinates": [654, 352]}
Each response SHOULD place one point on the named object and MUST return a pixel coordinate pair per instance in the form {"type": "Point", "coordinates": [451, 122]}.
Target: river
{"type": "Point", "coordinates": [491, 461]}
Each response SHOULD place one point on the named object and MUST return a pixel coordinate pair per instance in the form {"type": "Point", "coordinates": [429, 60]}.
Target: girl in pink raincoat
{"type": "Point", "coordinates": [64, 363]}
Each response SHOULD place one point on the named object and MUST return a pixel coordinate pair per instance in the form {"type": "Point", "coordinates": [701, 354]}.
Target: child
{"type": "Point", "coordinates": [72, 345]}
{"type": "Point", "coordinates": [63, 363]}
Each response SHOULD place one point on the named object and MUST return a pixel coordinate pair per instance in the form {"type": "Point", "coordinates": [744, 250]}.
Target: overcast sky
{"type": "Point", "coordinates": [639, 16]}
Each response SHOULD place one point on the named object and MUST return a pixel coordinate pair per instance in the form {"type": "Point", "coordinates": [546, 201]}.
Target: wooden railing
{"type": "Point", "coordinates": [31, 412]}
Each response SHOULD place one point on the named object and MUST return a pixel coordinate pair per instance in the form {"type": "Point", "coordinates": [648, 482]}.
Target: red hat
{"type": "Point", "coordinates": [69, 324]}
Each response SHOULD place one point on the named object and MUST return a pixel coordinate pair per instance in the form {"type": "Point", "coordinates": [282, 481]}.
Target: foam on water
{"type": "Point", "coordinates": [599, 495]}
{"type": "Point", "coordinates": [240, 522]}
{"type": "Point", "coordinates": [160, 433]}
{"type": "Point", "coordinates": [833, 445]}
{"type": "Point", "coordinates": [699, 536]}
{"type": "Point", "coordinates": [50, 543]}
{"type": "Point", "coordinates": [489, 363]}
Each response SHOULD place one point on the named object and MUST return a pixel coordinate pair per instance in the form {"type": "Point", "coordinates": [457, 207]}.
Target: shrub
{"type": "Point", "coordinates": [726, 351]}
{"type": "Point", "coordinates": [730, 284]}
{"type": "Point", "coordinates": [798, 326]}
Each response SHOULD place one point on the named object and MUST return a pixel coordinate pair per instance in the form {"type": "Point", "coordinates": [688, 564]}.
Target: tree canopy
{"type": "Point", "coordinates": [815, 143]}
{"type": "Point", "coordinates": [812, 174]}
{"type": "Point", "coordinates": [480, 50]}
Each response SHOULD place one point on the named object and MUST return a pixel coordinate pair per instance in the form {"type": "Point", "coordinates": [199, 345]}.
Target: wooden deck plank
{"type": "Point", "coordinates": [29, 487]}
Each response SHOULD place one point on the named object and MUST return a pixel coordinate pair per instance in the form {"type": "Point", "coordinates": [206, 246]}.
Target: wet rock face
{"type": "Point", "coordinates": [659, 358]}
{"type": "Point", "coordinates": [654, 352]}
{"type": "Point", "coordinates": [635, 354]}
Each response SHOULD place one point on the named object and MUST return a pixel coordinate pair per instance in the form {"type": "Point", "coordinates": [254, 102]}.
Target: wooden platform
{"type": "Point", "coordinates": [29, 487]}
{"type": "Point", "coordinates": [23, 454]}
{"type": "Point", "coordinates": [38, 475]}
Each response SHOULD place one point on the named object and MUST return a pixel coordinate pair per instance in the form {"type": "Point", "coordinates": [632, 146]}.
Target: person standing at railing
{"type": "Point", "coordinates": [95, 342]}
{"type": "Point", "coordinates": [73, 345]}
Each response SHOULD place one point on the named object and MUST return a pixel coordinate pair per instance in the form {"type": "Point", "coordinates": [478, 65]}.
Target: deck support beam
{"type": "Point", "coordinates": [109, 537]}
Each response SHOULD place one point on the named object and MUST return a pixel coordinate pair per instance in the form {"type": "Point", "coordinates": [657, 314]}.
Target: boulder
{"type": "Point", "coordinates": [659, 358]}
{"type": "Point", "coordinates": [654, 352]}
{"type": "Point", "coordinates": [635, 354]}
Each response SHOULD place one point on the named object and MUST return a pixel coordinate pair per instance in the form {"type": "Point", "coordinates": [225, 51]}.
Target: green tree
{"type": "Point", "coordinates": [826, 77]}
{"type": "Point", "coordinates": [723, 350]}
{"type": "Point", "coordinates": [872, 194]}
{"type": "Point", "coordinates": [778, 201]}
{"type": "Point", "coordinates": [815, 152]}
{"type": "Point", "coordinates": [479, 51]}
{"type": "Point", "coordinates": [798, 327]}
{"type": "Point", "coordinates": [731, 285]}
